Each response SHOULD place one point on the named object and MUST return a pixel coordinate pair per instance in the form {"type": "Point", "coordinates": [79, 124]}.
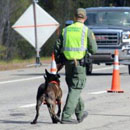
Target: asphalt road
{"type": "Point", "coordinates": [107, 111]}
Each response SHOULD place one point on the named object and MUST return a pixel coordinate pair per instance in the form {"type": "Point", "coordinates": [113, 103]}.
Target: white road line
{"type": "Point", "coordinates": [19, 80]}
{"type": "Point", "coordinates": [28, 105]}
{"type": "Point", "coordinates": [106, 68]}
{"type": "Point", "coordinates": [32, 105]}
{"type": "Point", "coordinates": [99, 92]}
{"type": "Point", "coordinates": [33, 78]}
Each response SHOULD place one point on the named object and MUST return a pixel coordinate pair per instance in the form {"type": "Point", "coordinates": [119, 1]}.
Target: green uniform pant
{"type": "Point", "coordinates": [75, 79]}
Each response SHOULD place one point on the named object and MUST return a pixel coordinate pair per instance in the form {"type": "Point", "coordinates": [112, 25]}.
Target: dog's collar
{"type": "Point", "coordinates": [54, 82]}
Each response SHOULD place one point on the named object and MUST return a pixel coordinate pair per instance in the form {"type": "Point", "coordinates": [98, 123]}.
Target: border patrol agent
{"type": "Point", "coordinates": [70, 49]}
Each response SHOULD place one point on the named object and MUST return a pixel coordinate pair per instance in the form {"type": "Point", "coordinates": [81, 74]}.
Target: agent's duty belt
{"type": "Point", "coordinates": [76, 62]}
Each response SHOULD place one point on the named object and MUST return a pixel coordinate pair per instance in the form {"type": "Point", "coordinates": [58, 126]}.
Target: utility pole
{"type": "Point", "coordinates": [35, 34]}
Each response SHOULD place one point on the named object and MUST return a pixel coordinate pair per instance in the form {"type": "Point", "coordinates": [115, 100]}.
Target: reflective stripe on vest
{"type": "Point", "coordinates": [71, 49]}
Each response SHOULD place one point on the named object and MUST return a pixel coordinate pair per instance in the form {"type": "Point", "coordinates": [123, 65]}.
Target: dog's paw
{"type": "Point", "coordinates": [55, 121]}
{"type": "Point", "coordinates": [33, 122]}
{"type": "Point", "coordinates": [58, 114]}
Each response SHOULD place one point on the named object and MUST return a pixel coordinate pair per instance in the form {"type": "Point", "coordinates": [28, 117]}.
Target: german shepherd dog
{"type": "Point", "coordinates": [50, 93]}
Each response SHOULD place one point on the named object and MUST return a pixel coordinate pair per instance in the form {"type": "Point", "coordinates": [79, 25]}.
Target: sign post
{"type": "Point", "coordinates": [35, 33]}
{"type": "Point", "coordinates": [36, 26]}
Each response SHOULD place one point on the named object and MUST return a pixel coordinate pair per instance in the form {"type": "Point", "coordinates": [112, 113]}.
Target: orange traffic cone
{"type": "Point", "coordinates": [53, 69]}
{"type": "Point", "coordinates": [116, 75]}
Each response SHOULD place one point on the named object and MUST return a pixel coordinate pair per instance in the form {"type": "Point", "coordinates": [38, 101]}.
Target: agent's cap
{"type": "Point", "coordinates": [80, 13]}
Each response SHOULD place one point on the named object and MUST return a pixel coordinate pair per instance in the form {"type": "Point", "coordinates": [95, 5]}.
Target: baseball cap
{"type": "Point", "coordinates": [81, 13]}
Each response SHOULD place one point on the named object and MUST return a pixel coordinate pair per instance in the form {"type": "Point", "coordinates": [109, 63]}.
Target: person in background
{"type": "Point", "coordinates": [70, 49]}
{"type": "Point", "coordinates": [69, 22]}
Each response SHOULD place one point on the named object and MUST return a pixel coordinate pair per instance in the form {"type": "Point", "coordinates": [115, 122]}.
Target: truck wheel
{"type": "Point", "coordinates": [129, 69]}
{"type": "Point", "coordinates": [89, 68]}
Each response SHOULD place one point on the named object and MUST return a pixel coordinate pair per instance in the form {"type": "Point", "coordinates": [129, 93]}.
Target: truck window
{"type": "Point", "coordinates": [114, 18]}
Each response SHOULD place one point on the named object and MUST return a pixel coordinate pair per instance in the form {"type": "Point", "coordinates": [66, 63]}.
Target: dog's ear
{"type": "Point", "coordinates": [47, 73]}
{"type": "Point", "coordinates": [45, 77]}
{"type": "Point", "coordinates": [58, 75]}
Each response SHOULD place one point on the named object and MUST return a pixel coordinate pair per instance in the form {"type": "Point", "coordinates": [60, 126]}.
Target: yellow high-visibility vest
{"type": "Point", "coordinates": [75, 41]}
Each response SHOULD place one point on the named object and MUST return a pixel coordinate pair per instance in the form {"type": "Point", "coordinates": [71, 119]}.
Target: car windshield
{"type": "Point", "coordinates": [115, 18]}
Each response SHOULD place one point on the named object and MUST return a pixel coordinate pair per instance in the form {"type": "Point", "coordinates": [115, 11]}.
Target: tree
{"type": "Point", "coordinates": [61, 10]}
{"type": "Point", "coordinates": [10, 11]}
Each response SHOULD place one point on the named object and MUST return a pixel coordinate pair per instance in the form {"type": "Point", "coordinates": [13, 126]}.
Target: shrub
{"type": "Point", "coordinates": [25, 50]}
{"type": "Point", "coordinates": [3, 51]}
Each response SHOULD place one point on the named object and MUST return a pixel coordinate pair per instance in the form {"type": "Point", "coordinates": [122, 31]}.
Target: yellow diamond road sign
{"type": "Point", "coordinates": [46, 26]}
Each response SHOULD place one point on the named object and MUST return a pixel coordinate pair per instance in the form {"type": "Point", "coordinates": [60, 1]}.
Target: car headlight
{"type": "Point", "coordinates": [126, 37]}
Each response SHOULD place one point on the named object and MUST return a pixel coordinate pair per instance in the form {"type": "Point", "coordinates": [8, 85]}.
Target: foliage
{"type": "Point", "coordinates": [18, 8]}
{"type": "Point", "coordinates": [47, 48]}
{"type": "Point", "coordinates": [3, 51]}
{"type": "Point", "coordinates": [25, 50]}
{"type": "Point", "coordinates": [14, 45]}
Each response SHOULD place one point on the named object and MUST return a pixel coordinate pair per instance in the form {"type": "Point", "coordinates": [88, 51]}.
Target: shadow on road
{"type": "Point", "coordinates": [106, 74]}
{"type": "Point", "coordinates": [63, 74]}
{"type": "Point", "coordinates": [20, 122]}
